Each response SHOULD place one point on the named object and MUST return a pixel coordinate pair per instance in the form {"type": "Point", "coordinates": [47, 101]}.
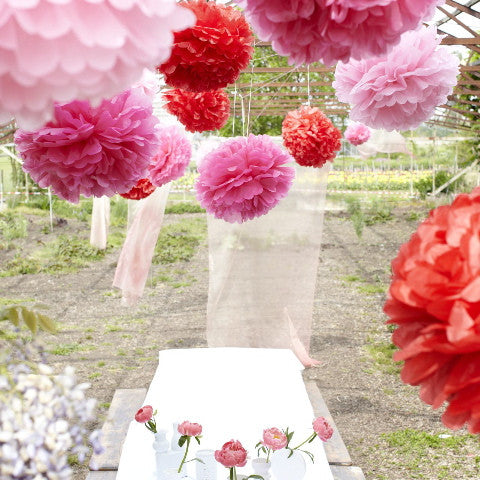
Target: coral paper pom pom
{"type": "Point", "coordinates": [434, 299]}
{"type": "Point", "coordinates": [92, 151]}
{"type": "Point", "coordinates": [142, 189]}
{"type": "Point", "coordinates": [211, 54]}
{"type": "Point", "coordinates": [310, 137]}
{"type": "Point", "coordinates": [399, 91]}
{"type": "Point", "coordinates": [173, 156]}
{"type": "Point", "coordinates": [330, 30]}
{"type": "Point", "coordinates": [198, 111]}
{"type": "Point", "coordinates": [244, 178]}
{"type": "Point", "coordinates": [59, 51]}
{"type": "Point", "coordinates": [357, 133]}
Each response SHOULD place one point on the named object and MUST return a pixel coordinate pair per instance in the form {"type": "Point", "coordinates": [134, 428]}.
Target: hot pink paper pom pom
{"type": "Point", "coordinates": [92, 151]}
{"type": "Point", "coordinates": [330, 30]}
{"type": "Point", "coordinates": [58, 51]}
{"type": "Point", "coordinates": [244, 178]}
{"type": "Point", "coordinates": [400, 90]}
{"type": "Point", "coordinates": [357, 133]}
{"type": "Point", "coordinates": [172, 158]}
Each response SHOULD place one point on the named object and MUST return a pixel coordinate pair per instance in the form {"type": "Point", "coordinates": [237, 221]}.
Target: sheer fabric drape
{"type": "Point", "coordinates": [263, 272]}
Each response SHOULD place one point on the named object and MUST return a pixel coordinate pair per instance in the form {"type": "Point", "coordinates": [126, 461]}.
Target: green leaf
{"type": "Point", "coordinates": [182, 440]}
{"type": "Point", "coordinates": [196, 460]}
{"type": "Point", "coordinates": [255, 476]}
{"type": "Point", "coordinates": [291, 453]}
{"type": "Point", "coordinates": [258, 444]}
{"type": "Point", "coordinates": [198, 440]}
{"type": "Point", "coordinates": [312, 439]}
{"type": "Point", "coordinates": [33, 320]}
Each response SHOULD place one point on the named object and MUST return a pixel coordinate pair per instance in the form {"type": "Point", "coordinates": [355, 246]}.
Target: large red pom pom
{"type": "Point", "coordinates": [310, 137]}
{"type": "Point", "coordinates": [142, 189]}
{"type": "Point", "coordinates": [198, 111]}
{"type": "Point", "coordinates": [434, 299]}
{"type": "Point", "coordinates": [211, 54]}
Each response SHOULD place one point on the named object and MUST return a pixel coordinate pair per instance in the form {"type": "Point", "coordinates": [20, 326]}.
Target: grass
{"type": "Point", "coordinates": [65, 254]}
{"type": "Point", "coordinates": [12, 225]}
{"type": "Point", "coordinates": [179, 241]}
{"type": "Point", "coordinates": [15, 301]}
{"type": "Point", "coordinates": [180, 208]}
{"type": "Point", "coordinates": [64, 349]}
{"type": "Point", "coordinates": [381, 356]}
{"type": "Point", "coordinates": [416, 454]}
{"type": "Point", "coordinates": [371, 288]}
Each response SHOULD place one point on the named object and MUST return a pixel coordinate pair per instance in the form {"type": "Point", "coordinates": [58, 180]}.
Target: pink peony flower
{"type": "Point", "coordinates": [357, 133]}
{"type": "Point", "coordinates": [274, 439]}
{"type": "Point", "coordinates": [144, 415]}
{"type": "Point", "coordinates": [322, 428]}
{"type": "Point", "coordinates": [190, 429]}
{"type": "Point", "coordinates": [402, 89]}
{"type": "Point", "coordinates": [232, 455]}
{"type": "Point", "coordinates": [60, 51]}
{"type": "Point", "coordinates": [244, 178]}
{"type": "Point", "coordinates": [92, 151]}
{"type": "Point", "coordinates": [172, 158]}
{"type": "Point", "coordinates": [330, 30]}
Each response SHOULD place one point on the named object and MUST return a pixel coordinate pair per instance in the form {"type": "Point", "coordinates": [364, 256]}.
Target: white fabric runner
{"type": "Point", "coordinates": [234, 393]}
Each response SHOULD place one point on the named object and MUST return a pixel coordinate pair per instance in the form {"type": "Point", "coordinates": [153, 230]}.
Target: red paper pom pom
{"type": "Point", "coordinates": [434, 299]}
{"type": "Point", "coordinates": [198, 111]}
{"type": "Point", "coordinates": [310, 137]}
{"type": "Point", "coordinates": [142, 189]}
{"type": "Point", "coordinates": [211, 54]}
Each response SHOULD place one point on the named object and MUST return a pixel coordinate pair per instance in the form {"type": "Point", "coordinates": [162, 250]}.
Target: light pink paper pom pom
{"type": "Point", "coordinates": [63, 50]}
{"type": "Point", "coordinates": [244, 178]}
{"type": "Point", "coordinates": [172, 158]}
{"type": "Point", "coordinates": [400, 90]}
{"type": "Point", "coordinates": [92, 151]}
{"type": "Point", "coordinates": [357, 133]}
{"type": "Point", "coordinates": [330, 30]}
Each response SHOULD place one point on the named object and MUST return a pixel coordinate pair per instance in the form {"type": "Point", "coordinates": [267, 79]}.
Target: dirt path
{"type": "Point", "coordinates": [115, 347]}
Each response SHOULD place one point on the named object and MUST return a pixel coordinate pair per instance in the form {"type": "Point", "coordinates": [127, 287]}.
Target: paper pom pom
{"type": "Point", "coordinates": [198, 111]}
{"type": "Point", "coordinates": [211, 54]}
{"type": "Point", "coordinates": [92, 151]}
{"type": "Point", "coordinates": [357, 133]}
{"type": "Point", "coordinates": [310, 137]}
{"type": "Point", "coordinates": [244, 178]}
{"type": "Point", "coordinates": [330, 30]}
{"type": "Point", "coordinates": [434, 299]}
{"type": "Point", "coordinates": [142, 189]}
{"type": "Point", "coordinates": [399, 91]}
{"type": "Point", "coordinates": [59, 51]}
{"type": "Point", "coordinates": [172, 158]}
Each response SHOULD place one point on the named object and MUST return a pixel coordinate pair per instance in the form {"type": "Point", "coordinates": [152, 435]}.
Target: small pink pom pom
{"type": "Point", "coordinates": [56, 51]}
{"type": "Point", "coordinates": [173, 156]}
{"type": "Point", "coordinates": [244, 178]}
{"type": "Point", "coordinates": [400, 90]}
{"type": "Point", "coordinates": [92, 151]}
{"type": "Point", "coordinates": [330, 30]}
{"type": "Point", "coordinates": [357, 133]}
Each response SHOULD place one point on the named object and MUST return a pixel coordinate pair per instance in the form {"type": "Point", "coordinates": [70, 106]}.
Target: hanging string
{"type": "Point", "coordinates": [308, 86]}
{"type": "Point", "coordinates": [234, 109]}
{"type": "Point", "coordinates": [250, 91]}
{"type": "Point", "coordinates": [243, 114]}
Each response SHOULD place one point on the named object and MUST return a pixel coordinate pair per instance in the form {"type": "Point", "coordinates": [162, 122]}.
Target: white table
{"type": "Point", "coordinates": [234, 393]}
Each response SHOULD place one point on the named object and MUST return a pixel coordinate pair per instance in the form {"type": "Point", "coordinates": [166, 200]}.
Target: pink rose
{"type": "Point", "coordinates": [144, 415]}
{"type": "Point", "coordinates": [274, 439]}
{"type": "Point", "coordinates": [190, 429]}
{"type": "Point", "coordinates": [232, 455]}
{"type": "Point", "coordinates": [322, 429]}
